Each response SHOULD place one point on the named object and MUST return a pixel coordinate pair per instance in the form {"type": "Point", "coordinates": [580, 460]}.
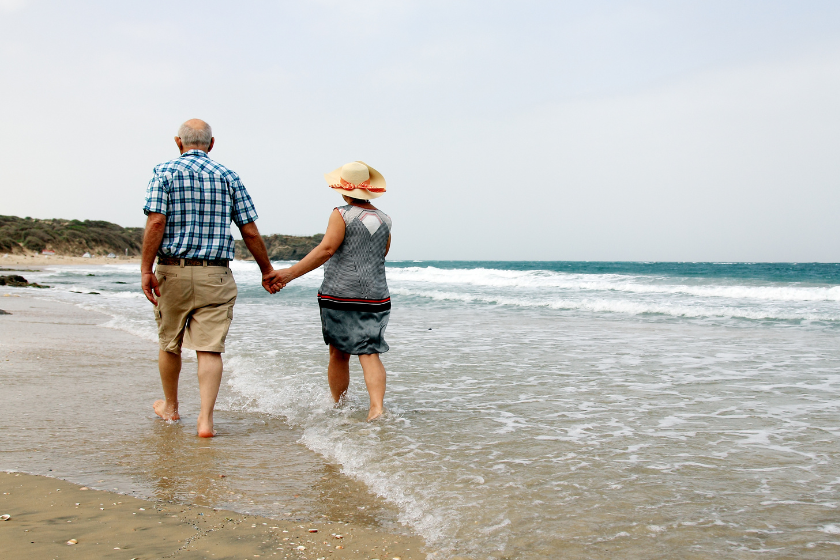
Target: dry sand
{"type": "Point", "coordinates": [46, 514]}
{"type": "Point", "coordinates": [9, 260]}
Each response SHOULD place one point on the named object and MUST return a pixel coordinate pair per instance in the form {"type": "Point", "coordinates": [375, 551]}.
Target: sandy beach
{"type": "Point", "coordinates": [9, 259]}
{"type": "Point", "coordinates": [81, 397]}
{"type": "Point", "coordinates": [51, 518]}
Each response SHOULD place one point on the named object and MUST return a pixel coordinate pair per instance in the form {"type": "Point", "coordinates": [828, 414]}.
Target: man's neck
{"type": "Point", "coordinates": [193, 148]}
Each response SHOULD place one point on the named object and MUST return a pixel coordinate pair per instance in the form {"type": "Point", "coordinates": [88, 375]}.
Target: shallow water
{"type": "Point", "coordinates": [77, 405]}
{"type": "Point", "coordinates": [586, 410]}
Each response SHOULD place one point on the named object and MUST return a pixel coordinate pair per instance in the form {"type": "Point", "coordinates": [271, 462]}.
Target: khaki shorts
{"type": "Point", "coordinates": [195, 307]}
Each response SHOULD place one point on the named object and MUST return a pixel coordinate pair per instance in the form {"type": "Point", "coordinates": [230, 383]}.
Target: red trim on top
{"type": "Point", "coordinates": [333, 298]}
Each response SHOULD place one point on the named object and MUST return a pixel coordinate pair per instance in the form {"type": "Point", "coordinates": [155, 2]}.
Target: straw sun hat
{"type": "Point", "coordinates": [357, 180]}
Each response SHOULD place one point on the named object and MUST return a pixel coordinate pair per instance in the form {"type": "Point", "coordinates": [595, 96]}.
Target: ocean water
{"type": "Point", "coordinates": [546, 410]}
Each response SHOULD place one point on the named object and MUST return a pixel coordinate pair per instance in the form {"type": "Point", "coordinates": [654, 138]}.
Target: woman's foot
{"type": "Point", "coordinates": [167, 411]}
{"type": "Point", "coordinates": [374, 413]}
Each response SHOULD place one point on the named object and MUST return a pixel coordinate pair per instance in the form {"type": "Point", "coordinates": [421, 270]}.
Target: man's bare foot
{"type": "Point", "coordinates": [205, 428]}
{"type": "Point", "coordinates": [169, 412]}
{"type": "Point", "coordinates": [374, 413]}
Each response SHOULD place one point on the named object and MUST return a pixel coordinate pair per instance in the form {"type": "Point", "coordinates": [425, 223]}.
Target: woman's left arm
{"type": "Point", "coordinates": [332, 240]}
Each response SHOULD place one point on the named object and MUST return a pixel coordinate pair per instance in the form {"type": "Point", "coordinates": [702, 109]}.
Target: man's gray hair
{"type": "Point", "coordinates": [191, 136]}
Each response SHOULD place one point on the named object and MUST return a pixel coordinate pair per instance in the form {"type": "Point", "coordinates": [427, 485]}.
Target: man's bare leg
{"type": "Point", "coordinates": [375, 380]}
{"type": "Point", "coordinates": [338, 372]}
{"type": "Point", "coordinates": [209, 381]}
{"type": "Point", "coordinates": [170, 370]}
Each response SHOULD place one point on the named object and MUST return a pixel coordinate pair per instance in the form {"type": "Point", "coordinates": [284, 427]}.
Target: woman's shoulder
{"type": "Point", "coordinates": [385, 217]}
{"type": "Point", "coordinates": [347, 211]}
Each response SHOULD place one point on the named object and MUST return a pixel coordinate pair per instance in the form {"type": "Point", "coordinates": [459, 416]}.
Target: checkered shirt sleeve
{"type": "Point", "coordinates": [243, 211]}
{"type": "Point", "coordinates": [157, 195]}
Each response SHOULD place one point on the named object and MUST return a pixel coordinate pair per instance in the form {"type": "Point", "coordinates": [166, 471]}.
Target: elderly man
{"type": "Point", "coordinates": [190, 202]}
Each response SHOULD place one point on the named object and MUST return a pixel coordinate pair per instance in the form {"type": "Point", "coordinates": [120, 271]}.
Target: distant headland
{"type": "Point", "coordinates": [97, 238]}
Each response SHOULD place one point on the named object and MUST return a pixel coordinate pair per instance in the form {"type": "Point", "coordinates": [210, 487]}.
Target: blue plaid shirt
{"type": "Point", "coordinates": [199, 198]}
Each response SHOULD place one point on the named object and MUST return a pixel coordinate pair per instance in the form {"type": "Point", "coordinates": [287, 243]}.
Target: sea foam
{"type": "Point", "coordinates": [482, 277]}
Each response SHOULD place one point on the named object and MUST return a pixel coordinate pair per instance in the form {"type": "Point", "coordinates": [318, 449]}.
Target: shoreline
{"type": "Point", "coordinates": [54, 355]}
{"type": "Point", "coordinates": [48, 513]}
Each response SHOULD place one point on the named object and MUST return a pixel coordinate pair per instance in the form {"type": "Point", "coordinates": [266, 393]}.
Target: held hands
{"type": "Point", "coordinates": [149, 282]}
{"type": "Point", "coordinates": [276, 280]}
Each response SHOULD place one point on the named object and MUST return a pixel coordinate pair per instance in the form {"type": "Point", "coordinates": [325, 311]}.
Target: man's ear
{"type": "Point", "coordinates": [180, 144]}
{"type": "Point", "coordinates": [212, 141]}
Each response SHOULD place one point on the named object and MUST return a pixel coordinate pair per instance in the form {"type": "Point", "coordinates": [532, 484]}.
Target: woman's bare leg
{"type": "Point", "coordinates": [375, 381]}
{"type": "Point", "coordinates": [338, 373]}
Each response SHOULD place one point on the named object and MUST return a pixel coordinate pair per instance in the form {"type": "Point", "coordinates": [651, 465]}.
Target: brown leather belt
{"type": "Point", "coordinates": [175, 261]}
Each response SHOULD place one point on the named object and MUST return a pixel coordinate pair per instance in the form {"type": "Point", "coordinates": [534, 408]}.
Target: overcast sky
{"type": "Point", "coordinates": [552, 130]}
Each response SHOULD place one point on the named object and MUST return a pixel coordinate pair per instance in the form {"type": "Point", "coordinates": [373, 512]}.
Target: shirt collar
{"type": "Point", "coordinates": [198, 153]}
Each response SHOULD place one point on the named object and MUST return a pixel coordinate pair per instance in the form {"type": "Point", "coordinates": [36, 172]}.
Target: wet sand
{"type": "Point", "coordinates": [46, 514]}
{"type": "Point", "coordinates": [77, 398]}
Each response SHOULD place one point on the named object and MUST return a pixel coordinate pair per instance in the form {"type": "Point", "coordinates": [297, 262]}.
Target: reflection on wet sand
{"type": "Point", "coordinates": [236, 470]}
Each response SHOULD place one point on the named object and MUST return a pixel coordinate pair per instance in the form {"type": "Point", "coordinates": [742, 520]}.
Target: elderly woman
{"type": "Point", "coordinates": [354, 299]}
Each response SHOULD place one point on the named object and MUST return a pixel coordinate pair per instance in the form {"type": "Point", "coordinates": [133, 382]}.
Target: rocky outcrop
{"type": "Point", "coordinates": [17, 281]}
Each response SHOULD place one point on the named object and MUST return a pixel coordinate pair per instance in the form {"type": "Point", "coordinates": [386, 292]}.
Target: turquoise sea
{"type": "Point", "coordinates": [559, 409]}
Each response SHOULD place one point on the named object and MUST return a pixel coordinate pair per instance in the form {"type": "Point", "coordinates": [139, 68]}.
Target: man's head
{"type": "Point", "coordinates": [195, 134]}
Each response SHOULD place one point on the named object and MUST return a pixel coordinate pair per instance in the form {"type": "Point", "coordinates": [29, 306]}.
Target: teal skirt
{"type": "Point", "coordinates": [355, 332]}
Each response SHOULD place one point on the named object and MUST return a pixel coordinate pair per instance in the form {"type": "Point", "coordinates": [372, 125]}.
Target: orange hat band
{"type": "Point", "coordinates": [364, 185]}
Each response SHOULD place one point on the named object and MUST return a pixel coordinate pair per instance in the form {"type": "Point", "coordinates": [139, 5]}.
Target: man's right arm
{"type": "Point", "coordinates": [152, 238]}
{"type": "Point", "coordinates": [244, 215]}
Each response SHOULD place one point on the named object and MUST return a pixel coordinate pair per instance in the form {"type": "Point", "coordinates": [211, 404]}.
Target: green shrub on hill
{"type": "Point", "coordinates": [75, 237]}
{"type": "Point", "coordinates": [67, 237]}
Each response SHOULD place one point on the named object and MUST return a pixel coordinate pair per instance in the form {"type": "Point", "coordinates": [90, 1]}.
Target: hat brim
{"type": "Point", "coordinates": [377, 181]}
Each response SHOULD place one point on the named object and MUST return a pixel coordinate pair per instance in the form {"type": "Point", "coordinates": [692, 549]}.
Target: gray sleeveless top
{"type": "Point", "coordinates": [354, 277]}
